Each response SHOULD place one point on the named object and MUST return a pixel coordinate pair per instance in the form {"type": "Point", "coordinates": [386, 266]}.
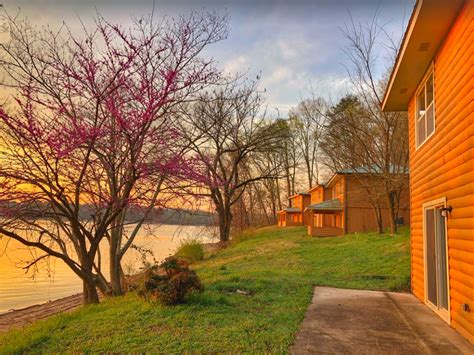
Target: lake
{"type": "Point", "coordinates": [56, 280]}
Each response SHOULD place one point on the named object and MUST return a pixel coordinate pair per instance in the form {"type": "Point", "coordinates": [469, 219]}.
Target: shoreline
{"type": "Point", "coordinates": [17, 318]}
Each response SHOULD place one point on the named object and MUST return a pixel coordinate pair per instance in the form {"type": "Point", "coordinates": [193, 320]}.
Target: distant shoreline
{"type": "Point", "coordinates": [171, 216]}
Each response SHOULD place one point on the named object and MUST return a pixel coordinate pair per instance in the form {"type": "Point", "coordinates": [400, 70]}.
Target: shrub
{"type": "Point", "coordinates": [190, 250]}
{"type": "Point", "coordinates": [170, 282]}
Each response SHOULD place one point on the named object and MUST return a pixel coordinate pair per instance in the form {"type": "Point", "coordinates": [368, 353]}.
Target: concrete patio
{"type": "Point", "coordinates": [369, 322]}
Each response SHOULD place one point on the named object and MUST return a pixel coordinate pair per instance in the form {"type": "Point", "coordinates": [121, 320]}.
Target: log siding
{"type": "Point", "coordinates": [443, 167]}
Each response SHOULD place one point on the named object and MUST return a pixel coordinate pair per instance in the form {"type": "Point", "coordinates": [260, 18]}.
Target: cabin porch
{"type": "Point", "coordinates": [289, 217]}
{"type": "Point", "coordinates": [326, 219]}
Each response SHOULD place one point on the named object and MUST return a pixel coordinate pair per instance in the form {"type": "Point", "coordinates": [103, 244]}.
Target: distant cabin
{"type": "Point", "coordinates": [433, 79]}
{"type": "Point", "coordinates": [346, 204]}
{"type": "Point", "coordinates": [294, 214]}
{"type": "Point", "coordinates": [325, 213]}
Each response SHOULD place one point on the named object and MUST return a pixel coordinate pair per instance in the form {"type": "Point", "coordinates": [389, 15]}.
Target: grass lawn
{"type": "Point", "coordinates": [277, 267]}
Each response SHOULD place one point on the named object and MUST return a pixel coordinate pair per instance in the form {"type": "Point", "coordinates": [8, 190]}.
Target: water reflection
{"type": "Point", "coordinates": [19, 290]}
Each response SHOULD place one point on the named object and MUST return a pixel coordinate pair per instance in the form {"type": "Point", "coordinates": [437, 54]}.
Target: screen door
{"type": "Point", "coordinates": [436, 258]}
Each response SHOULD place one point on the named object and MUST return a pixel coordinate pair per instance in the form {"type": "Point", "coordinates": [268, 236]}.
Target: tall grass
{"type": "Point", "coordinates": [190, 250]}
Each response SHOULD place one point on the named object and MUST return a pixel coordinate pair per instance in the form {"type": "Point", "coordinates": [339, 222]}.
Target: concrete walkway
{"type": "Point", "coordinates": [371, 322]}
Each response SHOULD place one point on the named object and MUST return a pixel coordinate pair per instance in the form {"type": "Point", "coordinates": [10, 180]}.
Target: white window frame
{"type": "Point", "coordinates": [443, 314]}
{"type": "Point", "coordinates": [422, 87]}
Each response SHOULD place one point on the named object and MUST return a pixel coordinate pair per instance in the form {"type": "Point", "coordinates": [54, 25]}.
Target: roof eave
{"type": "Point", "coordinates": [299, 194]}
{"type": "Point", "coordinates": [428, 26]}
{"type": "Point", "coordinates": [333, 179]}
{"type": "Point", "coordinates": [314, 188]}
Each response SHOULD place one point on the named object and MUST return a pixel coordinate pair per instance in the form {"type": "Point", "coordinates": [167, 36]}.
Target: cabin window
{"type": "Point", "coordinates": [425, 115]}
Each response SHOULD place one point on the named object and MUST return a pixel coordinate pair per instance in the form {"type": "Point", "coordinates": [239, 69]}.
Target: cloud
{"type": "Point", "coordinates": [295, 50]}
{"type": "Point", "coordinates": [289, 61]}
{"type": "Point", "coordinates": [291, 45]}
{"type": "Point", "coordinates": [278, 75]}
{"type": "Point", "coordinates": [238, 64]}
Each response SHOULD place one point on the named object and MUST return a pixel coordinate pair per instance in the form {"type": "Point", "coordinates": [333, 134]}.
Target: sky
{"type": "Point", "coordinates": [292, 45]}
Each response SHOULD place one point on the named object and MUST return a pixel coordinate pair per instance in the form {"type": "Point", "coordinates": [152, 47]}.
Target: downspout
{"type": "Point", "coordinates": [345, 204]}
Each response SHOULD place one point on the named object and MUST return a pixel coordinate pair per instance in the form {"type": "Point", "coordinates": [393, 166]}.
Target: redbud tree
{"type": "Point", "coordinates": [87, 132]}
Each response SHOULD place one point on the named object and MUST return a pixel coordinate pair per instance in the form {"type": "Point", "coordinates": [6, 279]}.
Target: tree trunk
{"type": "Point", "coordinates": [309, 172]}
{"type": "Point", "coordinates": [102, 284]}
{"type": "Point", "coordinates": [392, 213]}
{"type": "Point", "coordinates": [225, 219]}
{"type": "Point", "coordinates": [262, 205]}
{"type": "Point", "coordinates": [114, 267]}
{"type": "Point", "coordinates": [115, 276]}
{"type": "Point", "coordinates": [280, 205]}
{"type": "Point", "coordinates": [378, 218]}
{"type": "Point", "coordinates": [273, 202]}
{"type": "Point", "coordinates": [89, 292]}
{"type": "Point", "coordinates": [115, 257]}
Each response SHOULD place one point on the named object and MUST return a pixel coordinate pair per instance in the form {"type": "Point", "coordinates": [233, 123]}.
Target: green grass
{"type": "Point", "coordinates": [276, 267]}
{"type": "Point", "coordinates": [190, 250]}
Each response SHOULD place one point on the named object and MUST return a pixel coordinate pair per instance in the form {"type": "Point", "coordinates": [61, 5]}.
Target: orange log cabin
{"type": "Point", "coordinates": [433, 81]}
{"type": "Point", "coordinates": [325, 212]}
{"type": "Point", "coordinates": [295, 214]}
{"type": "Point", "coordinates": [343, 206]}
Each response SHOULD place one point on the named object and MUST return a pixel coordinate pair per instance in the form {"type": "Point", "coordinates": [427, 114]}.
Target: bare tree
{"type": "Point", "coordinates": [289, 156]}
{"type": "Point", "coordinates": [382, 139]}
{"type": "Point", "coordinates": [271, 161]}
{"type": "Point", "coordinates": [344, 149]}
{"type": "Point", "coordinates": [307, 121]}
{"type": "Point", "coordinates": [226, 131]}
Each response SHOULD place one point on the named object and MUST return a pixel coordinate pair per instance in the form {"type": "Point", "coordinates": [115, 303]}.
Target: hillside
{"type": "Point", "coordinates": [256, 295]}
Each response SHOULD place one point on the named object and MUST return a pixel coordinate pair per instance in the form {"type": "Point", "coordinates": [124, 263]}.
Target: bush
{"type": "Point", "coordinates": [170, 282]}
{"type": "Point", "coordinates": [190, 250]}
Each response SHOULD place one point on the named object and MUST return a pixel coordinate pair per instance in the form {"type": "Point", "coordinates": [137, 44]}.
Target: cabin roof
{"type": "Point", "coordinates": [394, 169]}
{"type": "Point", "coordinates": [334, 178]}
{"type": "Point", "coordinates": [373, 169]}
{"type": "Point", "coordinates": [429, 24]}
{"type": "Point", "coordinates": [316, 187]}
{"type": "Point", "coordinates": [299, 194]}
{"type": "Point", "coordinates": [329, 205]}
{"type": "Point", "coordinates": [290, 210]}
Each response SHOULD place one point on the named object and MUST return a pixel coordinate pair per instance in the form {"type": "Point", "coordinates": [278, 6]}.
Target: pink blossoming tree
{"type": "Point", "coordinates": [87, 133]}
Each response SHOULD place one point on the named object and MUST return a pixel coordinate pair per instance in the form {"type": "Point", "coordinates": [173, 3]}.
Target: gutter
{"type": "Point", "coordinates": [345, 205]}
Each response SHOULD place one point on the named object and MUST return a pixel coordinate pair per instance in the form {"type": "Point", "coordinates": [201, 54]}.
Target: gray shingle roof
{"type": "Point", "coordinates": [291, 210]}
{"type": "Point", "coordinates": [373, 170]}
{"type": "Point", "coordinates": [329, 205]}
